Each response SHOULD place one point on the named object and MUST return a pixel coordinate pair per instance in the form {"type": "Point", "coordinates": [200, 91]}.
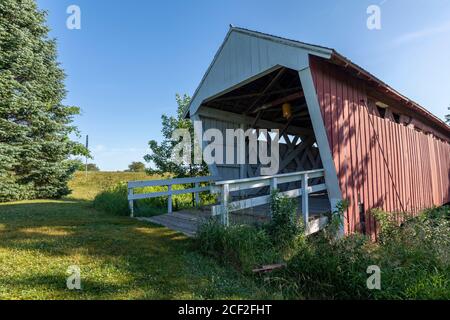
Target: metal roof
{"type": "Point", "coordinates": [334, 57]}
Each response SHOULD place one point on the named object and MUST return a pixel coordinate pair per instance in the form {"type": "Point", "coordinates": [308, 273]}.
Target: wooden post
{"type": "Point", "coordinates": [87, 147]}
{"type": "Point", "coordinates": [131, 202]}
{"type": "Point", "coordinates": [169, 200]}
{"type": "Point", "coordinates": [305, 200]}
{"type": "Point", "coordinates": [225, 195]}
{"type": "Point", "coordinates": [197, 196]}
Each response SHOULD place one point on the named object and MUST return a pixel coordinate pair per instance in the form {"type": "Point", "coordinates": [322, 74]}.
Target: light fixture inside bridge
{"type": "Point", "coordinates": [287, 110]}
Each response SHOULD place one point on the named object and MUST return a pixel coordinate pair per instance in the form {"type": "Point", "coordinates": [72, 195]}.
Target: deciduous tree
{"type": "Point", "coordinates": [161, 156]}
{"type": "Point", "coordinates": [447, 117]}
{"type": "Point", "coordinates": [136, 166]}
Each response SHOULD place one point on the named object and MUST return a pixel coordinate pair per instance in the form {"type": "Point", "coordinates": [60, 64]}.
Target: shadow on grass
{"type": "Point", "coordinates": [155, 261]}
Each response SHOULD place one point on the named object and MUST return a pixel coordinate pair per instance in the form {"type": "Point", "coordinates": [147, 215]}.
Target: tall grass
{"type": "Point", "coordinates": [414, 258]}
{"type": "Point", "coordinates": [242, 246]}
{"type": "Point", "coordinates": [249, 246]}
{"type": "Point", "coordinates": [114, 200]}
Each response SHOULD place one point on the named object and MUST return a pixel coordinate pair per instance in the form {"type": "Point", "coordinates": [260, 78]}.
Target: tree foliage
{"type": "Point", "coordinates": [136, 166]}
{"type": "Point", "coordinates": [78, 164]}
{"type": "Point", "coordinates": [92, 167]}
{"type": "Point", "coordinates": [447, 117]}
{"type": "Point", "coordinates": [161, 156]}
{"type": "Point", "coordinates": [34, 124]}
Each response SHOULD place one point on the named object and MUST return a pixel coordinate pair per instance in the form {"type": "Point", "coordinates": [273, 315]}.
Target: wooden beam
{"type": "Point", "coordinates": [279, 101]}
{"type": "Point", "coordinates": [286, 126]}
{"type": "Point", "coordinates": [266, 89]}
{"type": "Point", "coordinates": [269, 268]}
{"type": "Point", "coordinates": [333, 188]}
{"type": "Point", "coordinates": [258, 116]}
{"type": "Point", "coordinates": [294, 153]}
{"type": "Point", "coordinates": [239, 97]}
{"type": "Point", "coordinates": [302, 113]}
{"type": "Point", "coordinates": [239, 118]}
{"type": "Point", "coordinates": [256, 94]}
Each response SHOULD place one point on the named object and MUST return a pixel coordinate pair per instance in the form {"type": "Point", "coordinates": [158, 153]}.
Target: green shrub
{"type": "Point", "coordinates": [114, 200]}
{"type": "Point", "coordinates": [285, 226]}
{"type": "Point", "coordinates": [437, 212]}
{"type": "Point", "coordinates": [388, 225]}
{"type": "Point", "coordinates": [180, 201]}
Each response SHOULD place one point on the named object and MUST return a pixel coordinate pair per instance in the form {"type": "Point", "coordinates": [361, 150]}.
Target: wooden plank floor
{"type": "Point", "coordinates": [187, 221]}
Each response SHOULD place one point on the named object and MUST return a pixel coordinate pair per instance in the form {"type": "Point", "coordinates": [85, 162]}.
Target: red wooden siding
{"type": "Point", "coordinates": [379, 162]}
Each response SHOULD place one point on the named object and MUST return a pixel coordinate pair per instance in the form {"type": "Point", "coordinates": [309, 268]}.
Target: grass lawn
{"type": "Point", "coordinates": [119, 258]}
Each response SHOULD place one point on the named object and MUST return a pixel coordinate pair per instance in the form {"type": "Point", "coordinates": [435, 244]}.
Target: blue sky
{"type": "Point", "coordinates": [130, 57]}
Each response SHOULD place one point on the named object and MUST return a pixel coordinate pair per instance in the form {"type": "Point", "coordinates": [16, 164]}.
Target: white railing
{"type": "Point", "coordinates": [170, 192]}
{"type": "Point", "coordinates": [225, 187]}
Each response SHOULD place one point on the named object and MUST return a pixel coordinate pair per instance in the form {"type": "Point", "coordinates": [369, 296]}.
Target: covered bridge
{"type": "Point", "coordinates": [378, 148]}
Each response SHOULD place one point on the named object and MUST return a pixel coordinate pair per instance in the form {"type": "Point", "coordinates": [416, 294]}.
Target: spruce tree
{"type": "Point", "coordinates": [34, 123]}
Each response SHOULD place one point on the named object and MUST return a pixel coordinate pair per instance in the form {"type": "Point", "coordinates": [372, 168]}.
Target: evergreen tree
{"type": "Point", "coordinates": [34, 124]}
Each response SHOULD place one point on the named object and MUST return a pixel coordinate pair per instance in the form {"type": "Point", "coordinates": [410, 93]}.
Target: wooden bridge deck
{"type": "Point", "coordinates": [187, 221]}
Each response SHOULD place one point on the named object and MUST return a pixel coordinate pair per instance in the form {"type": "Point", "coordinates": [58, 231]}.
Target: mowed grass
{"type": "Point", "coordinates": [119, 257]}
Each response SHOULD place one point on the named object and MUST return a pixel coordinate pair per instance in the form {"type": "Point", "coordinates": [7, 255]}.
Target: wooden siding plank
{"type": "Point", "coordinates": [372, 173]}
{"type": "Point", "coordinates": [414, 172]}
{"type": "Point", "coordinates": [346, 184]}
{"type": "Point", "coordinates": [405, 153]}
{"type": "Point", "coordinates": [378, 161]}
{"type": "Point", "coordinates": [388, 155]}
{"type": "Point", "coordinates": [352, 157]}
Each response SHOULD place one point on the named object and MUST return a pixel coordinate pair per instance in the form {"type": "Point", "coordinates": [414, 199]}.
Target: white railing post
{"type": "Point", "coordinates": [225, 195]}
{"type": "Point", "coordinates": [169, 200]}
{"type": "Point", "coordinates": [305, 200]}
{"type": "Point", "coordinates": [273, 184]}
{"type": "Point", "coordinates": [170, 190]}
{"type": "Point", "coordinates": [196, 194]}
{"type": "Point", "coordinates": [227, 205]}
{"type": "Point", "coordinates": [131, 202]}
{"type": "Point", "coordinates": [273, 187]}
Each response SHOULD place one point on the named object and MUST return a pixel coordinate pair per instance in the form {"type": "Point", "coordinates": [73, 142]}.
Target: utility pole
{"type": "Point", "coordinates": [87, 148]}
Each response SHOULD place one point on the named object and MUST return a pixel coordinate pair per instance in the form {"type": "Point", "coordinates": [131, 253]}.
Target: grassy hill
{"type": "Point", "coordinates": [87, 186]}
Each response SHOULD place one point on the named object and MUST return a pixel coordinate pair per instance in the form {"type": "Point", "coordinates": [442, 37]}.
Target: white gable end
{"type": "Point", "coordinates": [244, 57]}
